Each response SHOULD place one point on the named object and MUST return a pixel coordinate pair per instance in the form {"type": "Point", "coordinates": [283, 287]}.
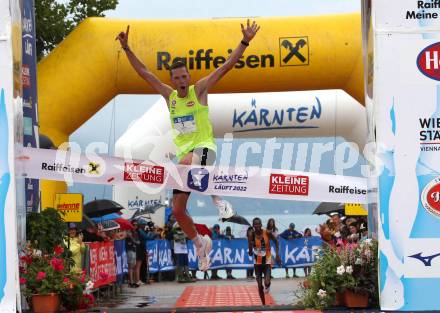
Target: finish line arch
{"type": "Point", "coordinates": [88, 68]}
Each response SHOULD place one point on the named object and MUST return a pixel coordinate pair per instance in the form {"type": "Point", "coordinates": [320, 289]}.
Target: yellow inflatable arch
{"type": "Point", "coordinates": [88, 68]}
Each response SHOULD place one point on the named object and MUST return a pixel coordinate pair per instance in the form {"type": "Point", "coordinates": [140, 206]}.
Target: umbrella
{"type": "Point", "coordinates": [125, 225]}
{"type": "Point", "coordinates": [87, 222]}
{"type": "Point", "coordinates": [329, 207]}
{"type": "Point", "coordinates": [110, 225]}
{"type": "Point", "coordinates": [238, 219]}
{"type": "Point", "coordinates": [202, 229]}
{"type": "Point", "coordinates": [148, 210]}
{"type": "Point", "coordinates": [101, 207]}
{"type": "Point", "coordinates": [108, 217]}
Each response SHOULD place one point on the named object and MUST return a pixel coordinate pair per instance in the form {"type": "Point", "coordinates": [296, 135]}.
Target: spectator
{"type": "Point", "coordinates": [364, 231]}
{"type": "Point", "coordinates": [339, 231]}
{"type": "Point", "coordinates": [76, 246]}
{"type": "Point", "coordinates": [307, 234]}
{"type": "Point", "coordinates": [271, 227]}
{"type": "Point", "coordinates": [289, 234]}
{"type": "Point", "coordinates": [353, 237]}
{"type": "Point", "coordinates": [216, 235]}
{"type": "Point", "coordinates": [181, 252]}
{"type": "Point", "coordinates": [132, 244]}
{"type": "Point", "coordinates": [91, 235]}
{"type": "Point", "coordinates": [229, 236]}
{"type": "Point", "coordinates": [141, 254]}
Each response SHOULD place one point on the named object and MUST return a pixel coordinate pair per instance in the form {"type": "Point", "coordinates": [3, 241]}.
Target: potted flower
{"type": "Point", "coordinates": [46, 266]}
{"type": "Point", "coordinates": [359, 274]}
{"type": "Point", "coordinates": [323, 282]}
{"type": "Point", "coordinates": [342, 275]}
{"type": "Point", "coordinates": [77, 294]}
{"type": "Point", "coordinates": [42, 278]}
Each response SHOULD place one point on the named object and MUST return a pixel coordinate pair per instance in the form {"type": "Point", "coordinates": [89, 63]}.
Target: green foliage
{"type": "Point", "coordinates": [55, 19]}
{"type": "Point", "coordinates": [45, 230]}
{"type": "Point", "coordinates": [323, 277]}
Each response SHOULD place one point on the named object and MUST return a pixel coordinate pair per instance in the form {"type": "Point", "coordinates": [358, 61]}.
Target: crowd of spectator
{"type": "Point", "coordinates": [341, 230]}
{"type": "Point", "coordinates": [337, 230]}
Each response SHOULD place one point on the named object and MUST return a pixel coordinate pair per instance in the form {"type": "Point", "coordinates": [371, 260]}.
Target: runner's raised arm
{"type": "Point", "coordinates": [205, 84]}
{"type": "Point", "coordinates": [141, 69]}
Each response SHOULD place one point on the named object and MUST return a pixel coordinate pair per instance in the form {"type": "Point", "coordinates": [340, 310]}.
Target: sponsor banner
{"type": "Point", "coordinates": [408, 148]}
{"type": "Point", "coordinates": [234, 254]}
{"type": "Point", "coordinates": [355, 209]}
{"type": "Point", "coordinates": [29, 82]}
{"type": "Point", "coordinates": [153, 178]}
{"type": "Point", "coordinates": [70, 205]}
{"type": "Point", "coordinates": [410, 15]}
{"type": "Point", "coordinates": [153, 252]}
{"type": "Point", "coordinates": [121, 260]}
{"type": "Point", "coordinates": [102, 263]}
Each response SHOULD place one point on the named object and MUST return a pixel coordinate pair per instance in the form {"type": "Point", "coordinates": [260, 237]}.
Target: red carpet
{"type": "Point", "coordinates": [220, 296]}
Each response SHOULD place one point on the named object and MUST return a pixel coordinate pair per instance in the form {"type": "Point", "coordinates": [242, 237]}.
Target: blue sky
{"type": "Point", "coordinates": [126, 108]}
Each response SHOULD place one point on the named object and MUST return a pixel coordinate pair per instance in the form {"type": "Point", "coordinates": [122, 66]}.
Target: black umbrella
{"type": "Point", "coordinates": [329, 207]}
{"type": "Point", "coordinates": [98, 208]}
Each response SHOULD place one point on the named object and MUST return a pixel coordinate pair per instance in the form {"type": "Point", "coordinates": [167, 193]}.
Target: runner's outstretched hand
{"type": "Point", "coordinates": [123, 37]}
{"type": "Point", "coordinates": [249, 31]}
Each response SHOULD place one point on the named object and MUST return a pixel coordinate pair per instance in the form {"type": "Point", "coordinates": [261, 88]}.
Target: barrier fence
{"type": "Point", "coordinates": [106, 262]}
{"type": "Point", "coordinates": [233, 254]}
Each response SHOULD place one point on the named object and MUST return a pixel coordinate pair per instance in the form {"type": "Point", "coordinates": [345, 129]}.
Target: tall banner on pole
{"type": "Point", "coordinates": [406, 113]}
{"type": "Point", "coordinates": [10, 139]}
{"type": "Point", "coordinates": [30, 104]}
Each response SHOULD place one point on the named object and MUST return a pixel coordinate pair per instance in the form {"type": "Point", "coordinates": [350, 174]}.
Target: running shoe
{"type": "Point", "coordinates": [204, 260]}
{"type": "Point", "coordinates": [225, 209]}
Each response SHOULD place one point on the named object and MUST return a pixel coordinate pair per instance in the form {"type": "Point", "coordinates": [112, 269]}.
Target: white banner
{"type": "Point", "coordinates": [152, 178]}
{"type": "Point", "coordinates": [407, 108]}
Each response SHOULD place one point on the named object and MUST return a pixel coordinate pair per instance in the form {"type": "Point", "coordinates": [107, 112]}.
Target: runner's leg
{"type": "Point", "coordinates": [259, 278]}
{"type": "Point", "coordinates": [180, 200]}
{"type": "Point", "coordinates": [267, 277]}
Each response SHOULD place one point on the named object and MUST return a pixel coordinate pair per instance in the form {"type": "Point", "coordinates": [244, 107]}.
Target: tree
{"type": "Point", "coordinates": [56, 19]}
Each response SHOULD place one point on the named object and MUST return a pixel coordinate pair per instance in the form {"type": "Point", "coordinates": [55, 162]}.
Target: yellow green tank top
{"type": "Point", "coordinates": [190, 122]}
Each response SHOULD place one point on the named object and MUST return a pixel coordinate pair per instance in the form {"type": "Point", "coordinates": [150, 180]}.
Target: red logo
{"type": "Point", "coordinates": [289, 184]}
{"type": "Point", "coordinates": [428, 61]}
{"type": "Point", "coordinates": [144, 173]}
{"type": "Point", "coordinates": [190, 104]}
{"type": "Point", "coordinates": [431, 197]}
{"type": "Point", "coordinates": [25, 76]}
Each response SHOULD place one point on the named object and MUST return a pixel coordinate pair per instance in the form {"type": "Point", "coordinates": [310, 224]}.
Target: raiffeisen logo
{"type": "Point", "coordinates": [266, 118]}
{"type": "Point", "coordinates": [208, 59]}
{"type": "Point", "coordinates": [428, 61]}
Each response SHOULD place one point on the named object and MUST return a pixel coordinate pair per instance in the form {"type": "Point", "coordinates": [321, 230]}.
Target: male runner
{"type": "Point", "coordinates": [259, 246]}
{"type": "Point", "coordinates": [188, 106]}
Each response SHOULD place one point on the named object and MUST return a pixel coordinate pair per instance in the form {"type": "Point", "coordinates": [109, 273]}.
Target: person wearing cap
{"type": "Point", "coordinates": [289, 234]}
{"type": "Point", "coordinates": [74, 243]}
{"type": "Point", "coordinates": [363, 231]}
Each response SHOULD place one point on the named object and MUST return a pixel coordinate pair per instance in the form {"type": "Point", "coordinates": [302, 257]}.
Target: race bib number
{"type": "Point", "coordinates": [185, 124]}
